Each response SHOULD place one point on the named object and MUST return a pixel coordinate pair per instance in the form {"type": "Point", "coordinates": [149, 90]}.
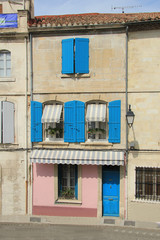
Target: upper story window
{"type": "Point", "coordinates": [5, 63]}
{"type": "Point", "coordinates": [75, 56]}
{"type": "Point", "coordinates": [52, 120]}
{"type": "Point", "coordinates": [148, 183]}
{"type": "Point", "coordinates": [96, 119]}
{"type": "Point", "coordinates": [6, 122]}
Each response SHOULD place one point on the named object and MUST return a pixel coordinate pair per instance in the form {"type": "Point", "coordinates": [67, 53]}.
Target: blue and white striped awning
{"type": "Point", "coordinates": [78, 157]}
{"type": "Point", "coordinates": [96, 113]}
{"type": "Point", "coordinates": [51, 113]}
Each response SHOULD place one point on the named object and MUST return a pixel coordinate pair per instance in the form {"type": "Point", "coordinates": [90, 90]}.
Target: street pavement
{"type": "Point", "coordinates": [45, 231]}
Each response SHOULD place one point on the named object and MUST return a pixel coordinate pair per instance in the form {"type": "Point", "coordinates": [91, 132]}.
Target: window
{"type": "Point", "coordinates": [96, 121]}
{"type": "Point", "coordinates": [75, 55]}
{"type": "Point", "coordinates": [148, 183]}
{"type": "Point", "coordinates": [5, 63]}
{"type": "Point", "coordinates": [67, 181]}
{"type": "Point", "coordinates": [6, 122]}
{"type": "Point", "coordinates": [52, 120]}
{"type": "Point", "coordinates": [96, 118]}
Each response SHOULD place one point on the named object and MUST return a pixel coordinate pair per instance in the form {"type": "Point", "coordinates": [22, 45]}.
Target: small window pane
{"type": "Point", "coordinates": [1, 73]}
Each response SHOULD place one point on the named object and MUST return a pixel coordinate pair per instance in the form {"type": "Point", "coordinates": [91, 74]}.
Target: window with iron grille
{"type": "Point", "coordinates": [148, 183]}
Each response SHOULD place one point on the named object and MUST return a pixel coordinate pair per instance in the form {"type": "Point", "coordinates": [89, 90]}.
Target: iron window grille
{"type": "Point", "coordinates": [148, 183]}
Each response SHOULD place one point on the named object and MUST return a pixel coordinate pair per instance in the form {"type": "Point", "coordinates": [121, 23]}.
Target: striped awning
{"type": "Point", "coordinates": [51, 113]}
{"type": "Point", "coordinates": [78, 157]}
{"type": "Point", "coordinates": [96, 113]}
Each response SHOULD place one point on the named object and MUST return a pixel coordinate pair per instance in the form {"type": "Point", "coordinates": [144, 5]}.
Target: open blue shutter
{"type": "Point", "coordinates": [68, 56]}
{"type": "Point", "coordinates": [81, 55]}
{"type": "Point", "coordinates": [76, 181]}
{"type": "Point", "coordinates": [69, 121]}
{"type": "Point", "coordinates": [114, 121]}
{"type": "Point", "coordinates": [36, 125]}
{"type": "Point", "coordinates": [80, 121]}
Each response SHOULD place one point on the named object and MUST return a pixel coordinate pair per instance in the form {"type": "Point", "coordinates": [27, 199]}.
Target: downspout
{"type": "Point", "coordinates": [26, 143]}
{"type": "Point", "coordinates": [23, 4]}
{"type": "Point", "coordinates": [31, 90]}
{"type": "Point", "coordinates": [126, 157]}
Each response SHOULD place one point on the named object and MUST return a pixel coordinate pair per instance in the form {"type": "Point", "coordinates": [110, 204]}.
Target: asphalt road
{"type": "Point", "coordinates": [32, 231]}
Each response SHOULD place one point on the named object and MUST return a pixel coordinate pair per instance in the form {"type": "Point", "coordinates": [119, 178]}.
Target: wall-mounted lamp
{"type": "Point", "coordinates": [130, 117]}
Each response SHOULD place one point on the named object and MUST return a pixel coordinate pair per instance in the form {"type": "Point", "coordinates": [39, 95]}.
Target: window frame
{"type": "Point", "coordinates": [146, 182]}
{"type": "Point", "coordinates": [97, 124]}
{"type": "Point", "coordinates": [4, 60]}
{"type": "Point", "coordinates": [79, 187]}
{"type": "Point", "coordinates": [46, 137]}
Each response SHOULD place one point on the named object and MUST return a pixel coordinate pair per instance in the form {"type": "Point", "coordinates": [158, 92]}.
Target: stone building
{"type": "Point", "coordinates": [66, 83]}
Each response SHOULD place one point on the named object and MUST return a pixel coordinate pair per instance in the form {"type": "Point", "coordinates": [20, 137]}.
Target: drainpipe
{"type": "Point", "coordinates": [23, 4]}
{"type": "Point", "coordinates": [31, 83]}
{"type": "Point", "coordinates": [26, 143]}
{"type": "Point", "coordinates": [126, 157]}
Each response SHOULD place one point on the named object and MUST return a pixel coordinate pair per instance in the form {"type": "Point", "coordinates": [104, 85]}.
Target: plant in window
{"type": "Point", "coordinates": [96, 130]}
{"type": "Point", "coordinates": [50, 130]}
{"type": "Point", "coordinates": [67, 193]}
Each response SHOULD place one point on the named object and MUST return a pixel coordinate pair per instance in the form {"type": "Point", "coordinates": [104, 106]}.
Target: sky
{"type": "Point", "coordinates": [60, 7]}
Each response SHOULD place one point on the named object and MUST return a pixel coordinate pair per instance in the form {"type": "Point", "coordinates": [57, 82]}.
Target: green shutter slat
{"type": "Point", "coordinates": [68, 56]}
{"type": "Point", "coordinates": [36, 125]}
{"type": "Point", "coordinates": [114, 121]}
{"type": "Point", "coordinates": [81, 55]}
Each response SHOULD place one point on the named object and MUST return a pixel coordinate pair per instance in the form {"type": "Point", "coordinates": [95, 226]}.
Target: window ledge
{"type": "Point", "coordinates": [76, 75]}
{"type": "Point", "coordinates": [7, 79]}
{"type": "Point", "coordinates": [54, 143]}
{"type": "Point", "coordinates": [68, 201]}
{"type": "Point", "coordinates": [145, 201]}
{"type": "Point", "coordinates": [96, 144]}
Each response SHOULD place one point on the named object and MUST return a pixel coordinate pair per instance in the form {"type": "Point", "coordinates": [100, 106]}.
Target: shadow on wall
{"type": "Point", "coordinates": [134, 145]}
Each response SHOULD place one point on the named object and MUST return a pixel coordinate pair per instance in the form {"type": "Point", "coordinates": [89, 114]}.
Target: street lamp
{"type": "Point", "coordinates": [130, 117]}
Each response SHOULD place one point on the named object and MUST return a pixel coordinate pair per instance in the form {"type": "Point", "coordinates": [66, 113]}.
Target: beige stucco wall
{"type": "Point", "coordinates": [144, 97]}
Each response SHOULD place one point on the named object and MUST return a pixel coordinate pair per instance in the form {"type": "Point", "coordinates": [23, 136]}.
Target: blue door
{"type": "Point", "coordinates": [110, 191]}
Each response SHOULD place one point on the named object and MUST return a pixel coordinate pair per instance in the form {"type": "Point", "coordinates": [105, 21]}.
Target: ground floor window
{"type": "Point", "coordinates": [67, 181]}
{"type": "Point", "coordinates": [148, 183]}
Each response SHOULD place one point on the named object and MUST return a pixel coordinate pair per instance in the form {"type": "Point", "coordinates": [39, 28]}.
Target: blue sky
{"type": "Point", "coordinates": [59, 7]}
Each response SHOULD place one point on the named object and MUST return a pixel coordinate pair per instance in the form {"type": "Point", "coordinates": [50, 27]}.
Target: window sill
{"type": "Point", "coordinates": [94, 143]}
{"type": "Point", "coordinates": [145, 201]}
{"type": "Point", "coordinates": [54, 143]}
{"type": "Point", "coordinates": [7, 79]}
{"type": "Point", "coordinates": [76, 75]}
{"type": "Point", "coordinates": [8, 145]}
{"type": "Point", "coordinates": [68, 201]}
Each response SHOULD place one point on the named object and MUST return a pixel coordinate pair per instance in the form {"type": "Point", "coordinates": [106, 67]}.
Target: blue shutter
{"type": "Point", "coordinates": [69, 121]}
{"type": "Point", "coordinates": [80, 121]}
{"type": "Point", "coordinates": [76, 181]}
{"type": "Point", "coordinates": [81, 55]}
{"type": "Point", "coordinates": [36, 125]}
{"type": "Point", "coordinates": [68, 56]}
{"type": "Point", "coordinates": [114, 121]}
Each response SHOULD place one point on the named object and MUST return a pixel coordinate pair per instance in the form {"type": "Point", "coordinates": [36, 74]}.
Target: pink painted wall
{"type": "Point", "coordinates": [43, 186]}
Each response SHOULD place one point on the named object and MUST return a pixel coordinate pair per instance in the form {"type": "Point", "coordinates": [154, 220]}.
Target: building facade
{"type": "Point", "coordinates": [66, 83]}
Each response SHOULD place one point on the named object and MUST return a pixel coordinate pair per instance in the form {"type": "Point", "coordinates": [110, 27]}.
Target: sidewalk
{"type": "Point", "coordinates": [104, 221]}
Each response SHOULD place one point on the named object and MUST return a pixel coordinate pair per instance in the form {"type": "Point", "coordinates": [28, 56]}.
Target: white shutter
{"type": "Point", "coordinates": [8, 122]}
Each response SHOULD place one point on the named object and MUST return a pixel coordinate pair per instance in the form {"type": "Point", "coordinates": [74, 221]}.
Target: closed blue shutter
{"type": "Point", "coordinates": [69, 121]}
{"type": "Point", "coordinates": [76, 181]}
{"type": "Point", "coordinates": [68, 56]}
{"type": "Point", "coordinates": [36, 125]}
{"type": "Point", "coordinates": [81, 55]}
{"type": "Point", "coordinates": [114, 121]}
{"type": "Point", "coordinates": [80, 121]}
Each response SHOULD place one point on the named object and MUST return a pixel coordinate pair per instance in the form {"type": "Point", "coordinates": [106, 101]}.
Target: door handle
{"type": "Point", "coordinates": [110, 199]}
